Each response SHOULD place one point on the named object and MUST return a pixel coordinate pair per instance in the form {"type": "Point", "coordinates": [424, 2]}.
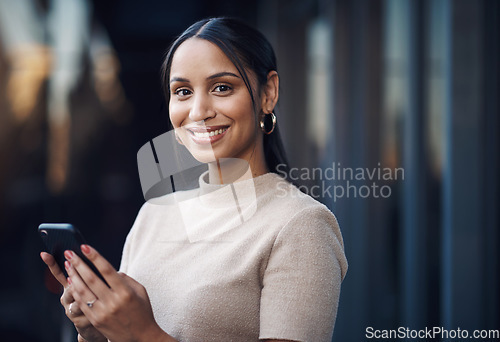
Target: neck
{"type": "Point", "coordinates": [230, 170]}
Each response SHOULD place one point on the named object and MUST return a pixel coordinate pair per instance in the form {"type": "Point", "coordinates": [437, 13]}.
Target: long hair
{"type": "Point", "coordinates": [247, 49]}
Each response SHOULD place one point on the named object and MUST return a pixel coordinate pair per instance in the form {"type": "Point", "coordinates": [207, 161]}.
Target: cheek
{"type": "Point", "coordinates": [176, 114]}
{"type": "Point", "coordinates": [239, 110]}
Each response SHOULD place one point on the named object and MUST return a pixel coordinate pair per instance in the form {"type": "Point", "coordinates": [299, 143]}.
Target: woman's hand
{"type": "Point", "coordinates": [72, 309]}
{"type": "Point", "coordinates": [122, 311]}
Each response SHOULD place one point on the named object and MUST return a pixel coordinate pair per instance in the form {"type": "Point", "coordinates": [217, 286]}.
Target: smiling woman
{"type": "Point", "coordinates": [211, 108]}
{"type": "Point", "coordinates": [230, 260]}
{"type": "Point", "coordinates": [243, 58]}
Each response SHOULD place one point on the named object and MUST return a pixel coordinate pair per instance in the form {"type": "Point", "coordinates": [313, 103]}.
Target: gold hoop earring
{"type": "Point", "coordinates": [263, 124]}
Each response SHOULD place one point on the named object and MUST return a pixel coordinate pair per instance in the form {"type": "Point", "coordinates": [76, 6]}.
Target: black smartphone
{"type": "Point", "coordinates": [59, 237]}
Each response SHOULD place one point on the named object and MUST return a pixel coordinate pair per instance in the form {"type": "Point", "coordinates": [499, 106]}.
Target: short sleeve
{"type": "Point", "coordinates": [301, 283]}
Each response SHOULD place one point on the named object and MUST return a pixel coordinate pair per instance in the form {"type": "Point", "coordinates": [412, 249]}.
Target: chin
{"type": "Point", "coordinates": [204, 156]}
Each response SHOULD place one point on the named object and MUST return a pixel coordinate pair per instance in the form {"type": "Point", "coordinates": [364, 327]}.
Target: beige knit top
{"type": "Point", "coordinates": [251, 260]}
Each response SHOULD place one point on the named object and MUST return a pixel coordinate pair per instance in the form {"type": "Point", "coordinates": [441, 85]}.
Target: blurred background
{"type": "Point", "coordinates": [374, 84]}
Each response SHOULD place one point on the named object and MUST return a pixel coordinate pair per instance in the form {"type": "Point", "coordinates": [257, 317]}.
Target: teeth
{"type": "Point", "coordinates": [209, 134]}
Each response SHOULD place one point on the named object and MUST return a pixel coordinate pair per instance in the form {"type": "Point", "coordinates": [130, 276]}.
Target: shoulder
{"type": "Point", "coordinates": [308, 227]}
{"type": "Point", "coordinates": [288, 197]}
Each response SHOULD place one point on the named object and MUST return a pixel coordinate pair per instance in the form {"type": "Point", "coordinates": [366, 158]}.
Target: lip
{"type": "Point", "coordinates": [206, 129]}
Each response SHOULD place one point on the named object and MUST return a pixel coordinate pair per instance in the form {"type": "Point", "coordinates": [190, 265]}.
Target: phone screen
{"type": "Point", "coordinates": [59, 237]}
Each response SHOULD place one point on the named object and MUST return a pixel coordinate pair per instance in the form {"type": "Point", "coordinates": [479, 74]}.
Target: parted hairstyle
{"type": "Point", "coordinates": [248, 49]}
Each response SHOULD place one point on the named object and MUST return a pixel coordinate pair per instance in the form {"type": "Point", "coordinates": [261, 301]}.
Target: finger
{"type": "Point", "coordinates": [75, 310]}
{"type": "Point", "coordinates": [54, 268]}
{"type": "Point", "coordinates": [109, 273]}
{"type": "Point", "coordinates": [91, 280]}
{"type": "Point", "coordinates": [67, 296]}
{"type": "Point", "coordinates": [79, 288]}
{"type": "Point", "coordinates": [72, 309]}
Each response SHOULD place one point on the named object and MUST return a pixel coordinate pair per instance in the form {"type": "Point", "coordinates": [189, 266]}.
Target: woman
{"type": "Point", "coordinates": [275, 275]}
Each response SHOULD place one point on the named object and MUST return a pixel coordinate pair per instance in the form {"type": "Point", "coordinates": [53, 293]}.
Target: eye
{"type": "Point", "coordinates": [222, 88]}
{"type": "Point", "coordinates": [181, 92]}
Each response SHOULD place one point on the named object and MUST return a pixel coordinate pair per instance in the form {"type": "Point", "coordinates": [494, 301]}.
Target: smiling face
{"type": "Point", "coordinates": [210, 106]}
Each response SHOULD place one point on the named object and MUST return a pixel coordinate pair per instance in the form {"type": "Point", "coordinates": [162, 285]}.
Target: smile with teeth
{"type": "Point", "coordinates": [209, 134]}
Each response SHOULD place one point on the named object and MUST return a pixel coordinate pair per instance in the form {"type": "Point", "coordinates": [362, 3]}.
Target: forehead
{"type": "Point", "coordinates": [196, 55]}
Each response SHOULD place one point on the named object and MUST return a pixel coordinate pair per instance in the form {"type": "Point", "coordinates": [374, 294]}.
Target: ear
{"type": "Point", "coordinates": [270, 92]}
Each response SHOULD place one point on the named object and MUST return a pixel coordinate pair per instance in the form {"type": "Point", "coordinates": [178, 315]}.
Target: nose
{"type": "Point", "coordinates": [201, 109]}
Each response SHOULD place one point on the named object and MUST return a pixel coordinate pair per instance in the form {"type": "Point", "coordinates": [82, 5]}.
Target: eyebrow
{"type": "Point", "coordinates": [211, 77]}
{"type": "Point", "coordinates": [220, 74]}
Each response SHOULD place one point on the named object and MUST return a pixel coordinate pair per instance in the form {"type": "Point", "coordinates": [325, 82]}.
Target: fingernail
{"type": "Point", "coordinates": [67, 265]}
{"type": "Point", "coordinates": [85, 249]}
{"type": "Point", "coordinates": [69, 281]}
{"type": "Point", "coordinates": [68, 255]}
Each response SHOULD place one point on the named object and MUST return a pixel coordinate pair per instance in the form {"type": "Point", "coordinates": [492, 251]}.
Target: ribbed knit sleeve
{"type": "Point", "coordinates": [301, 283]}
